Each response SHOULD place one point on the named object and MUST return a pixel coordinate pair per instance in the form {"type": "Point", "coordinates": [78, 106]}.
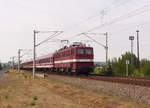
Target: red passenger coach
{"type": "Point", "coordinates": [45, 62]}
{"type": "Point", "coordinates": [75, 59]}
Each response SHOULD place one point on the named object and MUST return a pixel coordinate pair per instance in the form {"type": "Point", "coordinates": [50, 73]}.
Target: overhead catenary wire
{"type": "Point", "coordinates": [56, 33]}
{"type": "Point", "coordinates": [26, 53]}
{"type": "Point", "coordinates": [93, 39]}
{"type": "Point", "coordinates": [89, 18]}
{"type": "Point", "coordinates": [135, 12]}
{"type": "Point", "coordinates": [124, 17]}
{"type": "Point", "coordinates": [144, 23]}
{"type": "Point", "coordinates": [96, 14]}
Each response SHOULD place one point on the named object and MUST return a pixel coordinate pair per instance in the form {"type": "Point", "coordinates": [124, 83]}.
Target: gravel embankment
{"type": "Point", "coordinates": [1, 75]}
{"type": "Point", "coordinates": [137, 93]}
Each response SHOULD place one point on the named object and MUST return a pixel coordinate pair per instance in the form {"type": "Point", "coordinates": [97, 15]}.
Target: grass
{"type": "Point", "coordinates": [6, 97]}
{"type": "Point", "coordinates": [21, 91]}
{"type": "Point", "coordinates": [9, 106]}
{"type": "Point", "coordinates": [33, 103]}
{"type": "Point", "coordinates": [105, 97]}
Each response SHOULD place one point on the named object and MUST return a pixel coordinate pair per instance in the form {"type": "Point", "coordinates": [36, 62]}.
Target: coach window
{"type": "Point", "coordinates": [88, 51]}
{"type": "Point", "coordinates": [80, 51]}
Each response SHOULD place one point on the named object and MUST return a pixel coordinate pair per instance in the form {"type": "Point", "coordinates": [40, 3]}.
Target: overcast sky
{"type": "Point", "coordinates": [120, 18]}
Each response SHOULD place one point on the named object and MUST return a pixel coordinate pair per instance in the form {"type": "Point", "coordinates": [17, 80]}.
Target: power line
{"type": "Point", "coordinates": [93, 39]}
{"type": "Point", "coordinates": [89, 18]}
{"type": "Point", "coordinates": [26, 53]}
{"type": "Point", "coordinates": [123, 17]}
{"type": "Point", "coordinates": [56, 33]}
{"type": "Point", "coordinates": [144, 23]}
{"type": "Point", "coordinates": [96, 14]}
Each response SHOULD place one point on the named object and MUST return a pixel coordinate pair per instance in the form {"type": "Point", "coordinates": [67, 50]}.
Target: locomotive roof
{"type": "Point", "coordinates": [72, 46]}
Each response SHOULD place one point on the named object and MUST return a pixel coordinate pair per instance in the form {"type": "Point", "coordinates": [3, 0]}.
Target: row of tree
{"type": "Point", "coordinates": [117, 66]}
{"type": "Point", "coordinates": [0, 66]}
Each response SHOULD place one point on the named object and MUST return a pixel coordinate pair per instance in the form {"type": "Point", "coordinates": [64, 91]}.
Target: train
{"type": "Point", "coordinates": [74, 59]}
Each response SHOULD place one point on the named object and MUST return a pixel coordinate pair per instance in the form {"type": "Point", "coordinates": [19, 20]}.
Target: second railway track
{"type": "Point", "coordinates": [126, 80]}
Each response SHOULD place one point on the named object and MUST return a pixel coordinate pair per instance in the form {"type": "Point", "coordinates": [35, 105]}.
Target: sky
{"type": "Point", "coordinates": [120, 18]}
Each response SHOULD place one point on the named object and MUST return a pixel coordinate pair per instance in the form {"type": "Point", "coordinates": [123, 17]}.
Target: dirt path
{"type": "Point", "coordinates": [21, 91]}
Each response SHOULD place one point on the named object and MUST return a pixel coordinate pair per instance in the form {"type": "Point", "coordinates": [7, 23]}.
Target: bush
{"type": "Point", "coordinates": [35, 98]}
{"type": "Point", "coordinates": [33, 103]}
{"type": "Point", "coordinates": [104, 70]}
{"type": "Point", "coordinates": [9, 106]}
{"type": "Point", "coordinates": [137, 73]}
{"type": "Point", "coordinates": [6, 97]}
{"type": "Point", "coordinates": [97, 70]}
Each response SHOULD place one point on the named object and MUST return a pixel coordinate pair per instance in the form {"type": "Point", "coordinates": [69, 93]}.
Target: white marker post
{"type": "Point", "coordinates": [127, 67]}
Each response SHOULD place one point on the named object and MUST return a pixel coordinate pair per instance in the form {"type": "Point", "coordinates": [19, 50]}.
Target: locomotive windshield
{"type": "Point", "coordinates": [88, 51]}
{"type": "Point", "coordinates": [84, 51]}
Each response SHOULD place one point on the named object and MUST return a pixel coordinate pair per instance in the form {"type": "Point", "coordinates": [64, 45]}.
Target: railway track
{"type": "Point", "coordinates": [141, 81]}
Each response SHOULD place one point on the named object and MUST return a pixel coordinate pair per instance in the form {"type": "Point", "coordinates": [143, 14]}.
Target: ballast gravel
{"type": "Point", "coordinates": [137, 93]}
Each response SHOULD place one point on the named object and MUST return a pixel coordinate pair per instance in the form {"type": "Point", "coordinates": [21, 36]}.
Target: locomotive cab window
{"type": "Point", "coordinates": [88, 51]}
{"type": "Point", "coordinates": [80, 51]}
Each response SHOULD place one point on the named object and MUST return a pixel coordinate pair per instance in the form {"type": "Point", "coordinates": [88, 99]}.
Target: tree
{"type": "Point", "coordinates": [119, 65]}
{"type": "Point", "coordinates": [109, 70]}
{"type": "Point", "coordinates": [0, 66]}
{"type": "Point", "coordinates": [145, 67]}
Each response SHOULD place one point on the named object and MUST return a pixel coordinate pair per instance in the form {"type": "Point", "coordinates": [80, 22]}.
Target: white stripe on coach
{"type": "Point", "coordinates": [74, 60]}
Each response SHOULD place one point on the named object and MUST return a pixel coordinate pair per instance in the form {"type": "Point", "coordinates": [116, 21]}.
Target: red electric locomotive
{"type": "Point", "coordinates": [78, 58]}
{"type": "Point", "coordinates": [75, 59]}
